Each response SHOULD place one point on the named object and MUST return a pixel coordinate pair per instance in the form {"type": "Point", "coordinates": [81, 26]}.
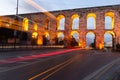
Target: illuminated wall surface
{"type": "Point", "coordinates": [99, 25]}
{"type": "Point", "coordinates": [25, 24]}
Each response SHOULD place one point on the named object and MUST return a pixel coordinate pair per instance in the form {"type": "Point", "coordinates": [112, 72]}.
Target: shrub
{"type": "Point", "coordinates": [118, 46]}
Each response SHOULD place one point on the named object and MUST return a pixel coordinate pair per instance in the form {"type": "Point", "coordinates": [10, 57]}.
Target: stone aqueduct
{"type": "Point", "coordinates": [49, 23]}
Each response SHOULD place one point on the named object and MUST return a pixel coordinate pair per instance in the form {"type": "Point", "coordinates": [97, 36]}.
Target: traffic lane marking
{"type": "Point", "coordinates": [55, 68]}
{"type": "Point", "coordinates": [97, 74]}
{"type": "Point", "coordinates": [58, 69]}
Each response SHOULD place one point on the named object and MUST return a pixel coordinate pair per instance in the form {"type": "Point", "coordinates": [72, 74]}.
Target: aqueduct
{"type": "Point", "coordinates": [64, 24]}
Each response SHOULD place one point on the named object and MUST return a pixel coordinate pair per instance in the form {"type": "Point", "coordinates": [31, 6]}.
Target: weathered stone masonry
{"type": "Point", "coordinates": [99, 31]}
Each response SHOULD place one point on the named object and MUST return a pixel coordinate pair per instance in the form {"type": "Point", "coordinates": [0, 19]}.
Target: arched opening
{"type": "Point", "coordinates": [25, 38]}
{"type": "Point", "coordinates": [34, 38]}
{"type": "Point", "coordinates": [25, 24]}
{"type": "Point", "coordinates": [75, 21]}
{"type": "Point", "coordinates": [74, 38]}
{"type": "Point", "coordinates": [46, 38]}
{"type": "Point", "coordinates": [109, 20]}
{"type": "Point", "coordinates": [35, 26]}
{"type": "Point", "coordinates": [47, 35]}
{"type": "Point", "coordinates": [60, 36]}
{"type": "Point", "coordinates": [91, 21]}
{"type": "Point", "coordinates": [90, 40]}
{"type": "Point", "coordinates": [109, 39]}
{"type": "Point", "coordinates": [60, 22]}
{"type": "Point", "coordinates": [47, 24]}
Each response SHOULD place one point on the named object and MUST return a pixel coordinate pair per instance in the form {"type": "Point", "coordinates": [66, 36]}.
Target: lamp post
{"type": "Point", "coordinates": [17, 8]}
{"type": "Point", "coordinates": [16, 18]}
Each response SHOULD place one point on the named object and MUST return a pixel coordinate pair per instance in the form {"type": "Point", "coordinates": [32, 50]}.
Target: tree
{"type": "Point", "coordinates": [73, 42]}
{"type": "Point", "coordinates": [118, 46]}
{"type": "Point", "coordinates": [93, 45]}
{"type": "Point", "coordinates": [45, 40]}
{"type": "Point", "coordinates": [56, 41]}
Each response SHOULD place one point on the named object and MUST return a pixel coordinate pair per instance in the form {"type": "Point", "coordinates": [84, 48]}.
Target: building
{"type": "Point", "coordinates": [63, 24]}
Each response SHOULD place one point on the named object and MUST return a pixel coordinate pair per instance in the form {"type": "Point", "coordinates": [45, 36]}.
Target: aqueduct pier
{"type": "Point", "coordinates": [81, 22]}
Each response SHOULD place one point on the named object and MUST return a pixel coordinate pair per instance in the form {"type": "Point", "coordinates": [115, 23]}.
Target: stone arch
{"type": "Point", "coordinates": [34, 35]}
{"type": "Point", "coordinates": [47, 24]}
{"type": "Point", "coordinates": [60, 37]}
{"type": "Point", "coordinates": [60, 22]}
{"type": "Point", "coordinates": [74, 41]}
{"type": "Point", "coordinates": [25, 24]}
{"type": "Point", "coordinates": [75, 35]}
{"type": "Point", "coordinates": [35, 26]}
{"type": "Point", "coordinates": [90, 39]}
{"type": "Point", "coordinates": [109, 37]}
{"type": "Point", "coordinates": [34, 38]}
{"type": "Point", "coordinates": [109, 20]}
{"type": "Point", "coordinates": [91, 21]}
{"type": "Point", "coordinates": [47, 35]}
{"type": "Point", "coordinates": [46, 38]}
{"type": "Point", "coordinates": [75, 21]}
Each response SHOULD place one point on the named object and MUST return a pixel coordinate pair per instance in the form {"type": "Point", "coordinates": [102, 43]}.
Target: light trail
{"type": "Point", "coordinates": [31, 2]}
{"type": "Point", "coordinates": [31, 57]}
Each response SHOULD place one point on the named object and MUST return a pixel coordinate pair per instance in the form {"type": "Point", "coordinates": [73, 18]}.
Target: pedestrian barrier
{"type": "Point", "coordinates": [27, 47]}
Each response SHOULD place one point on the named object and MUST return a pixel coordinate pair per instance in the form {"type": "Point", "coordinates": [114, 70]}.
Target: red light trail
{"type": "Point", "coordinates": [31, 57]}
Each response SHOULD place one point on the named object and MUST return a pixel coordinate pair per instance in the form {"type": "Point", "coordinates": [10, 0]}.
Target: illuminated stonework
{"type": "Point", "coordinates": [25, 24]}
{"type": "Point", "coordinates": [97, 14]}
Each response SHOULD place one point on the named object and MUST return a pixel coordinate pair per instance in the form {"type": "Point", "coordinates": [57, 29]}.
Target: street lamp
{"type": "Point", "coordinates": [16, 17]}
{"type": "Point", "coordinates": [17, 8]}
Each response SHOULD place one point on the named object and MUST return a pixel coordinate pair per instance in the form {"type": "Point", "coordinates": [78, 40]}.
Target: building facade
{"type": "Point", "coordinates": [65, 24]}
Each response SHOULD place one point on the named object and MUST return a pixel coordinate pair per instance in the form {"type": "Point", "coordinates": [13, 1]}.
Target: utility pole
{"type": "Point", "coordinates": [16, 18]}
{"type": "Point", "coordinates": [17, 8]}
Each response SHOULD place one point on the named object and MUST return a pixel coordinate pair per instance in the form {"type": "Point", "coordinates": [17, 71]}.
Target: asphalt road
{"type": "Point", "coordinates": [74, 65]}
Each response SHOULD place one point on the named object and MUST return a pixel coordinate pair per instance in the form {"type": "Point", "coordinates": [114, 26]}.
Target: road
{"type": "Point", "coordinates": [73, 65]}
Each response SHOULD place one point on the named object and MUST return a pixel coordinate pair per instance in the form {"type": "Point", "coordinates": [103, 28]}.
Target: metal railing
{"type": "Point", "coordinates": [27, 47]}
